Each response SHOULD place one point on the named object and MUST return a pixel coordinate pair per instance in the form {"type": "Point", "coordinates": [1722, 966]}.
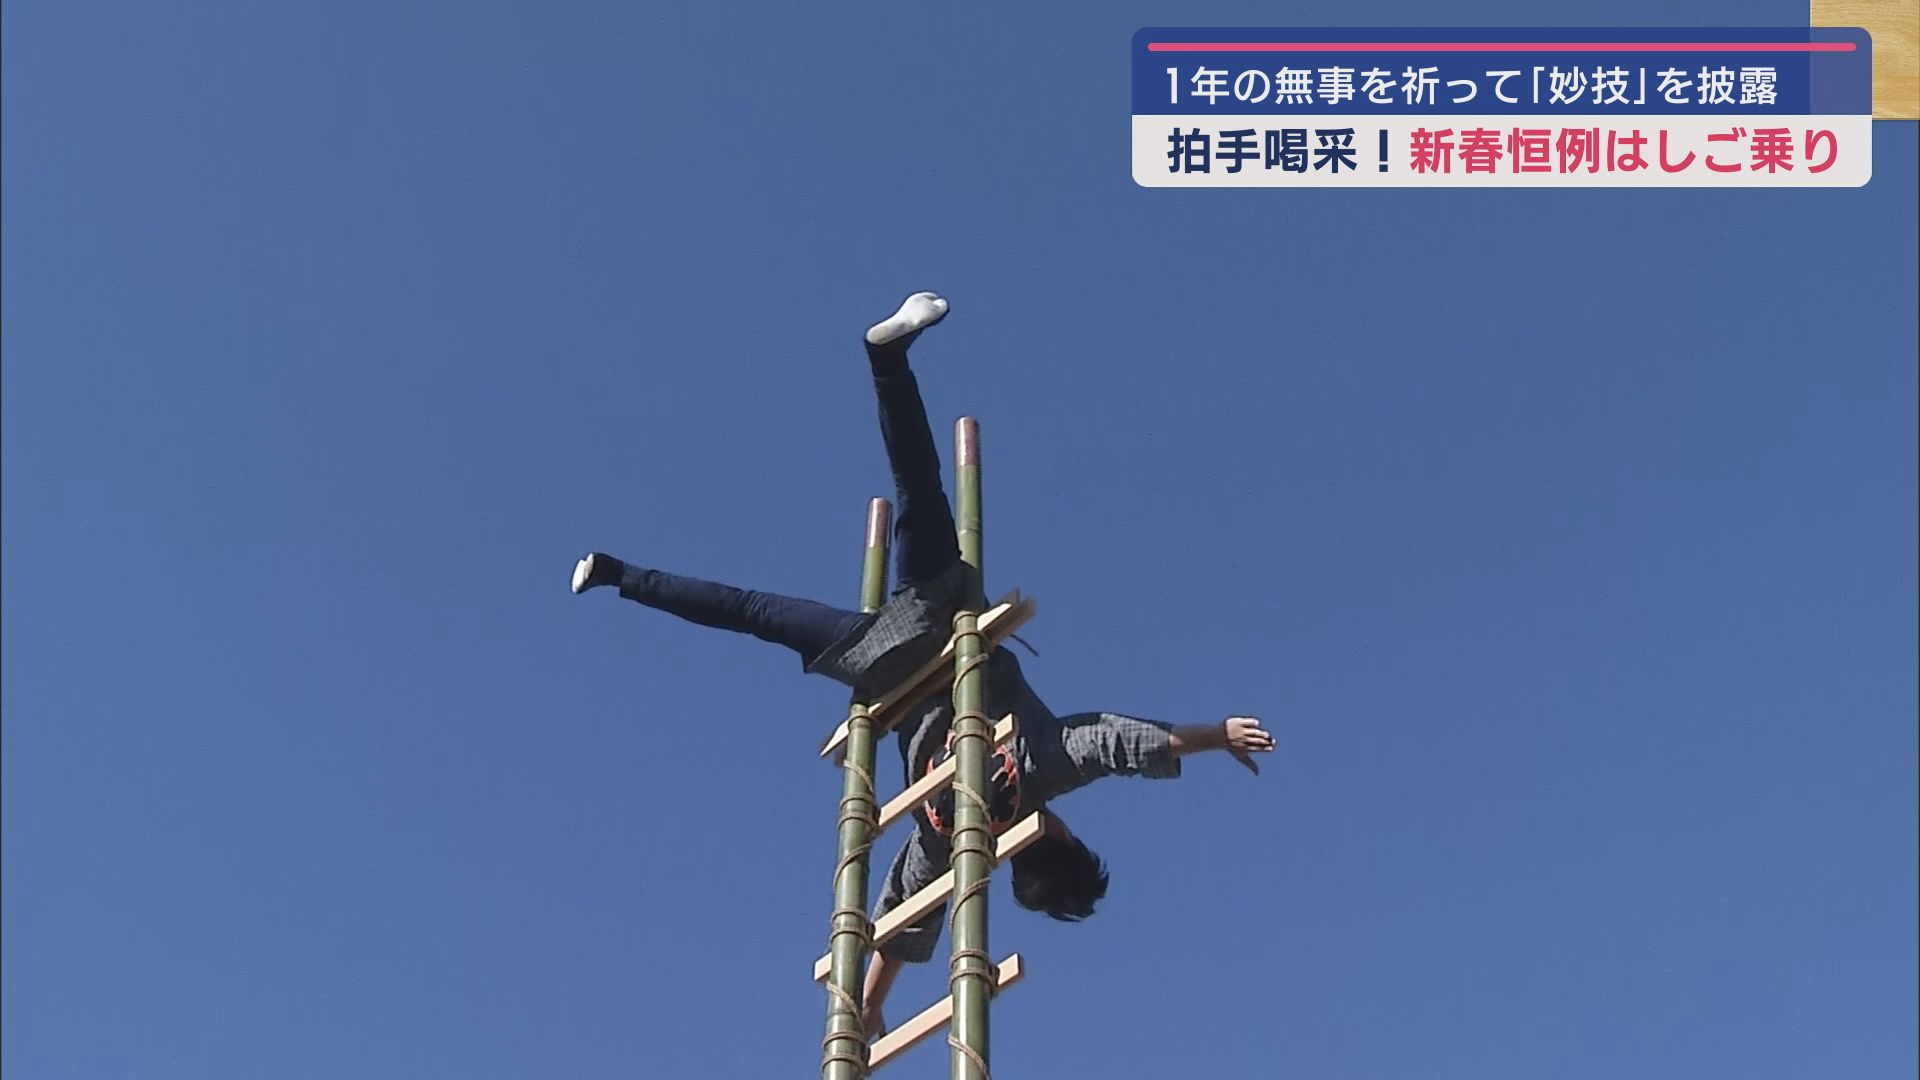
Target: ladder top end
{"type": "Point", "coordinates": [966, 441]}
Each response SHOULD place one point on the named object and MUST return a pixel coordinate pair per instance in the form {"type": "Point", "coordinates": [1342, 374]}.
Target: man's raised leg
{"type": "Point", "coordinates": [804, 626]}
{"type": "Point", "coordinates": [925, 543]}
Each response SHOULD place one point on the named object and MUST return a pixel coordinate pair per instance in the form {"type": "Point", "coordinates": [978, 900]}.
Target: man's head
{"type": "Point", "coordinates": [1058, 876]}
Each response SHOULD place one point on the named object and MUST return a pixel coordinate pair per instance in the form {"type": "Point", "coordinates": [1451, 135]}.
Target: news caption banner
{"type": "Point", "coordinates": [1319, 107]}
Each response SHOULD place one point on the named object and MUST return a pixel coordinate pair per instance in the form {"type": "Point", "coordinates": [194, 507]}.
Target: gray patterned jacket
{"type": "Point", "coordinates": [1054, 754]}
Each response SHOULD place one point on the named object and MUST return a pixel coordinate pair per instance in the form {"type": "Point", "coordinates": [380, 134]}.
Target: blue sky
{"type": "Point", "coordinates": [1564, 538]}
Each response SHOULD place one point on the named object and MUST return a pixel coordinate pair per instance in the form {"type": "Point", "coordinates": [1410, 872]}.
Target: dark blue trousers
{"type": "Point", "coordinates": [924, 541]}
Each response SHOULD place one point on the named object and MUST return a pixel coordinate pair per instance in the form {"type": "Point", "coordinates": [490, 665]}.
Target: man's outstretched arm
{"type": "Point", "coordinates": [1114, 744]}
{"type": "Point", "coordinates": [1241, 736]}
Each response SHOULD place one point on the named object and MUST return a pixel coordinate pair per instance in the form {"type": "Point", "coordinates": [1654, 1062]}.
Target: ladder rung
{"type": "Point", "coordinates": [915, 907]}
{"type": "Point", "coordinates": [997, 623]}
{"type": "Point", "coordinates": [932, 1019]}
{"type": "Point", "coordinates": [940, 777]}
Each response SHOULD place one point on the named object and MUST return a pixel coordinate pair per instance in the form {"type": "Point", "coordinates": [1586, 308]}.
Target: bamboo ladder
{"type": "Point", "coordinates": [972, 980]}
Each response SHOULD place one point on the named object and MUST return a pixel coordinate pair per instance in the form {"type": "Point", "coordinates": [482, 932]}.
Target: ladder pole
{"type": "Point", "coordinates": [844, 1050]}
{"type": "Point", "coordinates": [966, 457]}
{"type": "Point", "coordinates": [971, 973]}
{"type": "Point", "coordinates": [873, 572]}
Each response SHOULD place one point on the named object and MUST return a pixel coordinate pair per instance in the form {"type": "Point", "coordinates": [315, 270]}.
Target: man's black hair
{"type": "Point", "coordinates": [1060, 878]}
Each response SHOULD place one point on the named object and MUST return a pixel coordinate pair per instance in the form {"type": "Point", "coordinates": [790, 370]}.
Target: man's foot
{"type": "Point", "coordinates": [595, 570]}
{"type": "Point", "coordinates": [920, 311]}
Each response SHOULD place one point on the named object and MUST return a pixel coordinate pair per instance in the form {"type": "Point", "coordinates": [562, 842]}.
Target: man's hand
{"type": "Point", "coordinates": [1245, 738]}
{"type": "Point", "coordinates": [1241, 736]}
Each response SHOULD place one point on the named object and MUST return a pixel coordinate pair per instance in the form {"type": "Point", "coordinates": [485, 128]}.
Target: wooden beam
{"type": "Point", "coordinates": [932, 1019]}
{"type": "Point", "coordinates": [915, 907]}
{"type": "Point", "coordinates": [1895, 27]}
{"type": "Point", "coordinates": [940, 777]}
{"type": "Point", "coordinates": [998, 623]}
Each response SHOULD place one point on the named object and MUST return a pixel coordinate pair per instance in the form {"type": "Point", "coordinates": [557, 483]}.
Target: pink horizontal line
{"type": "Point", "coordinates": [1500, 46]}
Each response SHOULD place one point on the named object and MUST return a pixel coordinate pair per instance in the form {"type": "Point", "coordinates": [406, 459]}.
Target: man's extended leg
{"type": "Point", "coordinates": [925, 543]}
{"type": "Point", "coordinates": [801, 625]}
